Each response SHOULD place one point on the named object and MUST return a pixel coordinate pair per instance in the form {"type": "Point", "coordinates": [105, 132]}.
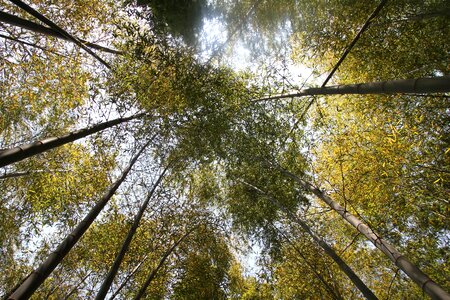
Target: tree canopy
{"type": "Point", "coordinates": [141, 161]}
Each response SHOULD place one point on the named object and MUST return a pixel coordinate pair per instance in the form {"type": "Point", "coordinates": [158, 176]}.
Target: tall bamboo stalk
{"type": "Point", "coordinates": [334, 293]}
{"type": "Point", "coordinates": [38, 28]}
{"type": "Point", "coordinates": [122, 285]}
{"type": "Point", "coordinates": [104, 288]}
{"type": "Point", "coordinates": [19, 153]}
{"type": "Point", "coordinates": [355, 40]}
{"type": "Point", "coordinates": [153, 273]}
{"type": "Point", "coordinates": [403, 86]}
{"type": "Point", "coordinates": [420, 278]}
{"type": "Point", "coordinates": [326, 248]}
{"type": "Point", "coordinates": [56, 28]}
{"type": "Point", "coordinates": [37, 277]}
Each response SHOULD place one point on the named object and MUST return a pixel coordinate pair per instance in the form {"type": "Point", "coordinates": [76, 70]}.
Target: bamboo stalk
{"type": "Point", "coordinates": [38, 276]}
{"type": "Point", "coordinates": [420, 278]}
{"type": "Point", "coordinates": [19, 153]}
{"type": "Point", "coordinates": [402, 86]}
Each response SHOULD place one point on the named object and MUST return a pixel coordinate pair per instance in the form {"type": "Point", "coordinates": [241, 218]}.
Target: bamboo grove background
{"type": "Point", "coordinates": [140, 160]}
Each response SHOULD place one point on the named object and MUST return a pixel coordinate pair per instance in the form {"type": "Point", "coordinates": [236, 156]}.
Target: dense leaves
{"type": "Point", "coordinates": [384, 158]}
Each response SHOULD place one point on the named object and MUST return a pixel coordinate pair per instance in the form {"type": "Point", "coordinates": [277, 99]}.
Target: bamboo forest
{"type": "Point", "coordinates": [225, 149]}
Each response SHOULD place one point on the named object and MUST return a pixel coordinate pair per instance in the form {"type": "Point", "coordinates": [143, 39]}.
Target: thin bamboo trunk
{"type": "Point", "coordinates": [328, 287]}
{"type": "Point", "coordinates": [122, 285]}
{"type": "Point", "coordinates": [328, 250]}
{"type": "Point", "coordinates": [37, 277]}
{"type": "Point", "coordinates": [38, 28]}
{"type": "Point", "coordinates": [355, 39]}
{"type": "Point", "coordinates": [77, 286]}
{"type": "Point", "coordinates": [19, 153]}
{"type": "Point", "coordinates": [26, 173]}
{"type": "Point", "coordinates": [420, 278]}
{"type": "Point", "coordinates": [153, 273]}
{"type": "Point", "coordinates": [104, 288]}
{"type": "Point", "coordinates": [402, 86]}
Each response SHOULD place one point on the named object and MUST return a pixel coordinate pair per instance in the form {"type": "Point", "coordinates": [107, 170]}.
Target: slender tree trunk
{"type": "Point", "coordinates": [58, 29]}
{"type": "Point", "coordinates": [26, 173]}
{"type": "Point", "coordinates": [402, 86]}
{"type": "Point", "coordinates": [122, 285]}
{"type": "Point", "coordinates": [104, 288]}
{"type": "Point", "coordinates": [328, 250]}
{"type": "Point", "coordinates": [37, 277]}
{"type": "Point", "coordinates": [420, 278]}
{"type": "Point", "coordinates": [19, 153]}
{"type": "Point", "coordinates": [355, 39]}
{"type": "Point", "coordinates": [153, 273]}
{"type": "Point", "coordinates": [30, 44]}
{"type": "Point", "coordinates": [38, 28]}
{"type": "Point", "coordinates": [77, 286]}
{"type": "Point", "coordinates": [328, 287]}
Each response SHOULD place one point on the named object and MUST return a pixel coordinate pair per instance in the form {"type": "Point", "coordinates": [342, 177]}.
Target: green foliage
{"type": "Point", "coordinates": [384, 51]}
{"type": "Point", "coordinates": [385, 158]}
{"type": "Point", "coordinates": [204, 267]}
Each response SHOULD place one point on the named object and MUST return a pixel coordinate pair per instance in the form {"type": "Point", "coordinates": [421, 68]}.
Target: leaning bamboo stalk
{"type": "Point", "coordinates": [38, 28]}
{"type": "Point", "coordinates": [75, 288]}
{"type": "Point", "coordinates": [26, 173]}
{"type": "Point", "coordinates": [153, 273]}
{"type": "Point", "coordinates": [56, 28]}
{"type": "Point", "coordinates": [127, 279]}
{"type": "Point", "coordinates": [420, 278]}
{"type": "Point", "coordinates": [355, 40]}
{"type": "Point", "coordinates": [403, 86]}
{"type": "Point", "coordinates": [328, 287]}
{"type": "Point", "coordinates": [19, 153]}
{"type": "Point", "coordinates": [360, 285]}
{"type": "Point", "coordinates": [38, 276]}
{"type": "Point", "coordinates": [104, 288]}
